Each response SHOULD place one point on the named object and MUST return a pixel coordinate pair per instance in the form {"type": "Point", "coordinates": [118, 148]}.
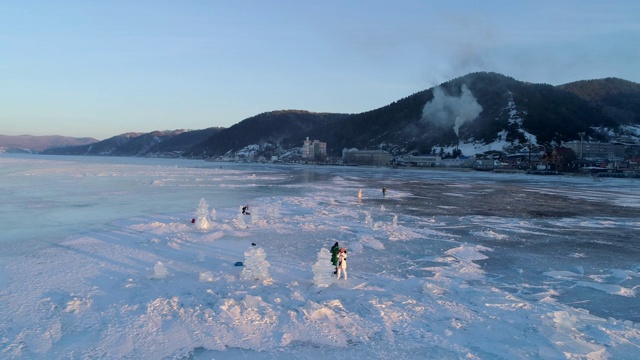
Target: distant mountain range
{"type": "Point", "coordinates": [480, 108]}
{"type": "Point", "coordinates": [154, 144]}
{"type": "Point", "coordinates": [34, 144]}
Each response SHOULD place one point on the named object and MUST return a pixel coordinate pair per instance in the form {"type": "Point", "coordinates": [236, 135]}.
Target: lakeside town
{"type": "Point", "coordinates": [614, 159]}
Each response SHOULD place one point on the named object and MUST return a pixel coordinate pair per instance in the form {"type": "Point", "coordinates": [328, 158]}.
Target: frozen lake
{"type": "Point", "coordinates": [447, 264]}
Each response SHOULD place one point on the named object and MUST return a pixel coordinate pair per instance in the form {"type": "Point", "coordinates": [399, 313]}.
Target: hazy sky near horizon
{"type": "Point", "coordinates": [99, 69]}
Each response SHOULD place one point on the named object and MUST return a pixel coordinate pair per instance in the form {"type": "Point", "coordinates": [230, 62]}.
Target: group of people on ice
{"type": "Point", "coordinates": [338, 254]}
{"type": "Point", "coordinates": [339, 260]}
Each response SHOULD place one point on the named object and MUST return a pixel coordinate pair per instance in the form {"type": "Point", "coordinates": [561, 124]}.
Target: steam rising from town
{"type": "Point", "coordinates": [446, 110]}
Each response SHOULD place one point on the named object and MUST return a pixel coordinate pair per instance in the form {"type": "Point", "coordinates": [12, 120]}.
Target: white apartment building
{"type": "Point", "coordinates": [313, 149]}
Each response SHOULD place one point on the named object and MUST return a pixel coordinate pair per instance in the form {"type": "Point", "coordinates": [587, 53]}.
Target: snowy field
{"type": "Point", "coordinates": [101, 260]}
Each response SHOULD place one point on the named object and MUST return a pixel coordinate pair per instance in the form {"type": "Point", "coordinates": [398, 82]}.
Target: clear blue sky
{"type": "Point", "coordinates": [102, 68]}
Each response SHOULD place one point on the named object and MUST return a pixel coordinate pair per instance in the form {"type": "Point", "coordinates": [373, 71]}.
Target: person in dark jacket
{"type": "Point", "coordinates": [335, 249]}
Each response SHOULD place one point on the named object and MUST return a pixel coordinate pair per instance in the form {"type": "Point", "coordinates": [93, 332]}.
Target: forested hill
{"type": "Point", "coordinates": [270, 127]}
{"type": "Point", "coordinates": [619, 98]}
{"type": "Point", "coordinates": [511, 110]}
{"type": "Point", "coordinates": [478, 108]}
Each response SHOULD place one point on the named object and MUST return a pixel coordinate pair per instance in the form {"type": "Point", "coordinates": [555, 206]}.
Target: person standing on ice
{"type": "Point", "coordinates": [342, 262]}
{"type": "Point", "coordinates": [335, 249]}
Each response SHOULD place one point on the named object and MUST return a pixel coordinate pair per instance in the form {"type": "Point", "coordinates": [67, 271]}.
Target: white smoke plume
{"type": "Point", "coordinates": [446, 110]}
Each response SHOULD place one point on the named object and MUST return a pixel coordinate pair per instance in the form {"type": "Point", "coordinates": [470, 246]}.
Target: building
{"type": "Point", "coordinates": [460, 161]}
{"type": "Point", "coordinates": [486, 164]}
{"type": "Point", "coordinates": [596, 150]}
{"type": "Point", "coordinates": [421, 160]}
{"type": "Point", "coordinates": [365, 157]}
{"type": "Point", "coordinates": [315, 149]}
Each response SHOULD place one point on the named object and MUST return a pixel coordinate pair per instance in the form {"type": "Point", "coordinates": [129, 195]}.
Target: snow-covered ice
{"type": "Point", "coordinates": [101, 260]}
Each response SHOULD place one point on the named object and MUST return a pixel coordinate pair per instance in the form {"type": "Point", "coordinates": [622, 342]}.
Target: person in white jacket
{"type": "Point", "coordinates": [342, 262]}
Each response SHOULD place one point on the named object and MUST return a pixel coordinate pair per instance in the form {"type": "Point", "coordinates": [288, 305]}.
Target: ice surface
{"type": "Point", "coordinates": [101, 260]}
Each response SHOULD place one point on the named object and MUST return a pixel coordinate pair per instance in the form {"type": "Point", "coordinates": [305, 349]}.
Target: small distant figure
{"type": "Point", "coordinates": [193, 221]}
{"type": "Point", "coordinates": [245, 210]}
{"type": "Point", "coordinates": [342, 263]}
{"type": "Point", "coordinates": [359, 193]}
{"type": "Point", "coordinates": [335, 249]}
{"type": "Point", "coordinates": [253, 244]}
{"type": "Point", "coordinates": [384, 191]}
